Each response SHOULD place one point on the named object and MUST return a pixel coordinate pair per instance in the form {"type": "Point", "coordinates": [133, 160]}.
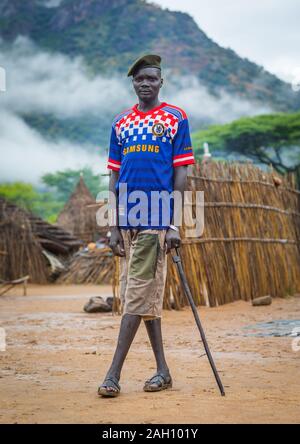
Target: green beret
{"type": "Point", "coordinates": [147, 61]}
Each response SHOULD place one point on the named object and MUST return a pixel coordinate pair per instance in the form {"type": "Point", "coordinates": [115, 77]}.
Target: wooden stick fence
{"type": "Point", "coordinates": [251, 240]}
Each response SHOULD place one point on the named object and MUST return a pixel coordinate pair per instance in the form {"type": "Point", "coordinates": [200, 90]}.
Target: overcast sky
{"type": "Point", "coordinates": [265, 31]}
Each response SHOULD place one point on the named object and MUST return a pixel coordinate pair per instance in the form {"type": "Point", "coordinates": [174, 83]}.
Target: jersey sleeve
{"type": "Point", "coordinates": [182, 145]}
{"type": "Point", "coordinates": [114, 153]}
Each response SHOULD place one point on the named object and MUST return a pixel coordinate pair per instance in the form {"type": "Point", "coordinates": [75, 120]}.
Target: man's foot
{"type": "Point", "coordinates": [110, 387]}
{"type": "Point", "coordinates": [158, 382]}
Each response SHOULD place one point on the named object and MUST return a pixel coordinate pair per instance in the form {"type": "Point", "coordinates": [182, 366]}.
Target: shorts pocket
{"type": "Point", "coordinates": [144, 259]}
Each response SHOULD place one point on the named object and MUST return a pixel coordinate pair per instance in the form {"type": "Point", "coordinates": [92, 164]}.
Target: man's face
{"type": "Point", "coordinates": [147, 83]}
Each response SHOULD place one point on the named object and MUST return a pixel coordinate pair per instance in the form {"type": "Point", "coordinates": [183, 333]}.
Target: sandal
{"type": "Point", "coordinates": [157, 383]}
{"type": "Point", "coordinates": [109, 383]}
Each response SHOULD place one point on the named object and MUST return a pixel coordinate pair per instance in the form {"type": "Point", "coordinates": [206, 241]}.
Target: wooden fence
{"type": "Point", "coordinates": [250, 245]}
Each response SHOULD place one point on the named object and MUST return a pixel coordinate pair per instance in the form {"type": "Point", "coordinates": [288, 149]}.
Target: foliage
{"type": "Point", "coordinates": [82, 130]}
{"type": "Point", "coordinates": [48, 204]}
{"type": "Point", "coordinates": [268, 139]}
{"type": "Point", "coordinates": [64, 182]}
{"type": "Point", "coordinates": [43, 204]}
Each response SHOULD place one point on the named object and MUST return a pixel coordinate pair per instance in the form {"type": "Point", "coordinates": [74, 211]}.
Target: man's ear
{"type": "Point", "coordinates": [161, 82]}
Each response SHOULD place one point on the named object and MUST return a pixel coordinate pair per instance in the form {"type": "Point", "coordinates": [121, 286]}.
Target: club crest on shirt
{"type": "Point", "coordinates": [158, 129]}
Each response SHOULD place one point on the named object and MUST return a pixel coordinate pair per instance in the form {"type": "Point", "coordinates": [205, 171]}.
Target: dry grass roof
{"type": "Point", "coordinates": [79, 214]}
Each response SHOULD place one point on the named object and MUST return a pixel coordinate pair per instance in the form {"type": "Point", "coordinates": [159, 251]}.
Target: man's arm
{"type": "Point", "coordinates": [116, 240]}
{"type": "Point", "coordinates": [180, 178]}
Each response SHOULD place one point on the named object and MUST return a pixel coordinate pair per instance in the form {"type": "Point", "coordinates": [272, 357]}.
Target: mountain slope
{"type": "Point", "coordinates": [110, 34]}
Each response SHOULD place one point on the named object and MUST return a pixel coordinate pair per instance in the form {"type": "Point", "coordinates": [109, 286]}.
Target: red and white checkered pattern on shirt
{"type": "Point", "coordinates": [123, 128]}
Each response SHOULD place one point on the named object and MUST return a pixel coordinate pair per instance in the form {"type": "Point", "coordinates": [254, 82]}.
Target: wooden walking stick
{"type": "Point", "coordinates": [187, 291]}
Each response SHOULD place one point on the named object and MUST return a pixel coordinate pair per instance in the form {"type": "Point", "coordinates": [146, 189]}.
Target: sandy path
{"type": "Point", "coordinates": [56, 354]}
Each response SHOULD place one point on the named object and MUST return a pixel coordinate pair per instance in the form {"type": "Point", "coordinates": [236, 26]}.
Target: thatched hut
{"type": "Point", "coordinates": [89, 267]}
{"type": "Point", "coordinates": [27, 244]}
{"type": "Point", "coordinates": [54, 238]}
{"type": "Point", "coordinates": [79, 215]}
{"type": "Point", "coordinates": [20, 252]}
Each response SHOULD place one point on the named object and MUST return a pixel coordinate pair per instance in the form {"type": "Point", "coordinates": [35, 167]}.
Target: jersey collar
{"type": "Point", "coordinates": [135, 109]}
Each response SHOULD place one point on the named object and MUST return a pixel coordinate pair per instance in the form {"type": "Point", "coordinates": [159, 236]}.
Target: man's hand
{"type": "Point", "coordinates": [116, 242]}
{"type": "Point", "coordinates": [173, 239]}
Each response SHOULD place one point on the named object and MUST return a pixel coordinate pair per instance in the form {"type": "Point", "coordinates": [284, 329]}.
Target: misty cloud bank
{"type": "Point", "coordinates": [26, 155]}
{"type": "Point", "coordinates": [189, 94]}
{"type": "Point", "coordinates": [52, 83]}
{"type": "Point", "coordinates": [48, 82]}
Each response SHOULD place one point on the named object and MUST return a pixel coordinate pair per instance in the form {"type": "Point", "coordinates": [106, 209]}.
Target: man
{"type": "Point", "coordinates": [149, 152]}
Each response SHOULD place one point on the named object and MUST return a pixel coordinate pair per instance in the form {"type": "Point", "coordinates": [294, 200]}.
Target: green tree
{"type": "Point", "coordinates": [64, 182]}
{"type": "Point", "coordinates": [47, 204]}
{"type": "Point", "coordinates": [24, 195]}
{"type": "Point", "coordinates": [267, 139]}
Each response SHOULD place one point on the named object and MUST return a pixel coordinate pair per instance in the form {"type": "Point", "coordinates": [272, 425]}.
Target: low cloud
{"type": "Point", "coordinates": [39, 81]}
{"type": "Point", "coordinates": [43, 82]}
{"type": "Point", "coordinates": [201, 106]}
{"type": "Point", "coordinates": [26, 155]}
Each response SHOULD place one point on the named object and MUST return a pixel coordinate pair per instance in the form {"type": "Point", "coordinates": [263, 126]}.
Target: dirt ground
{"type": "Point", "coordinates": [56, 354]}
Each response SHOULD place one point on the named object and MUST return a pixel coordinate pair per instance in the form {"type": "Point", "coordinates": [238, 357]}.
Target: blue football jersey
{"type": "Point", "coordinates": [145, 148]}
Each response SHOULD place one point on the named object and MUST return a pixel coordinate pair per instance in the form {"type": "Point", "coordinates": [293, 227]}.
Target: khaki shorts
{"type": "Point", "coordinates": [143, 272]}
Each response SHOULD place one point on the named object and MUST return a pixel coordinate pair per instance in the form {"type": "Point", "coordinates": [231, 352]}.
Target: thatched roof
{"type": "Point", "coordinates": [20, 252]}
{"type": "Point", "coordinates": [90, 267]}
{"type": "Point", "coordinates": [79, 214]}
{"type": "Point", "coordinates": [53, 237]}
{"type": "Point", "coordinates": [23, 237]}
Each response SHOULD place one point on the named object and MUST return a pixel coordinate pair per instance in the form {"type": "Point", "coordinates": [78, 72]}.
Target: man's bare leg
{"type": "Point", "coordinates": [155, 335]}
{"type": "Point", "coordinates": [129, 326]}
